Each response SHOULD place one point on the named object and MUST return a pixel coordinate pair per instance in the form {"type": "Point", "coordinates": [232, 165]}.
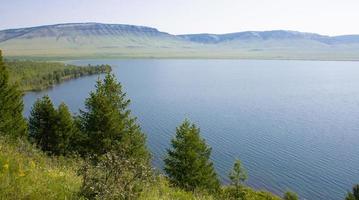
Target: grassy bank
{"type": "Point", "coordinates": [28, 173]}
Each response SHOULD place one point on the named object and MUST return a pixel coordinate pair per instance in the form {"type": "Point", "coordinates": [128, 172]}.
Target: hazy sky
{"type": "Point", "coordinates": [331, 17]}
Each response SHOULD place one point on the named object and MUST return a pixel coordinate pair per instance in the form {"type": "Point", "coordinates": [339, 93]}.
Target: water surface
{"type": "Point", "coordinates": [294, 124]}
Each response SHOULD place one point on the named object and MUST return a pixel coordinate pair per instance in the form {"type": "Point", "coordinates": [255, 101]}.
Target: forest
{"type": "Point", "coordinates": [101, 153]}
{"type": "Point", "coordinates": [35, 75]}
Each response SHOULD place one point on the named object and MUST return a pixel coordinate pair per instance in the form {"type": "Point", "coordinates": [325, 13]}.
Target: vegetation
{"type": "Point", "coordinates": [115, 176]}
{"type": "Point", "coordinates": [50, 129]}
{"type": "Point", "coordinates": [237, 177]}
{"type": "Point", "coordinates": [27, 173]}
{"type": "Point", "coordinates": [187, 163]}
{"type": "Point", "coordinates": [107, 122]}
{"type": "Point", "coordinates": [31, 75]}
{"type": "Point", "coordinates": [353, 195]}
{"type": "Point", "coordinates": [11, 106]}
{"type": "Point", "coordinates": [290, 196]}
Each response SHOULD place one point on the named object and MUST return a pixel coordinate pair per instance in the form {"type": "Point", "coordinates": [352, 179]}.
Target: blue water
{"type": "Point", "coordinates": [294, 124]}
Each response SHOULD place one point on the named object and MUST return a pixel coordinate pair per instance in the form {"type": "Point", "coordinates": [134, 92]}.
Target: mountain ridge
{"type": "Point", "coordinates": [91, 39]}
{"type": "Point", "coordinates": [240, 33]}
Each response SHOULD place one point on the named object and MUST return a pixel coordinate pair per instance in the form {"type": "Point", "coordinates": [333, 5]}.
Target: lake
{"type": "Point", "coordinates": [293, 124]}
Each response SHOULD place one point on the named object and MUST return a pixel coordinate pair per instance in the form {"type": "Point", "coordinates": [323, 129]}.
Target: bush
{"type": "Point", "coordinates": [114, 176]}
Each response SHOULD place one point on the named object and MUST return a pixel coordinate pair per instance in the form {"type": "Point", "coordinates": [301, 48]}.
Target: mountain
{"type": "Point", "coordinates": [96, 40]}
{"type": "Point", "coordinates": [76, 30]}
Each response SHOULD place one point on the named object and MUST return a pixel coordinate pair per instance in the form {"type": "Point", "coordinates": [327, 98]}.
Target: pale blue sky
{"type": "Point", "coordinates": [331, 17]}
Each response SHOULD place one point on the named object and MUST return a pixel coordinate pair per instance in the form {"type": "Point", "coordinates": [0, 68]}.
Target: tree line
{"type": "Point", "coordinates": [110, 141]}
{"type": "Point", "coordinates": [31, 75]}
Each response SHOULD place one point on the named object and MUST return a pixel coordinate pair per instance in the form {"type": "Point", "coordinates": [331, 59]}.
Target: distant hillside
{"type": "Point", "coordinates": [95, 40]}
{"type": "Point", "coordinates": [271, 35]}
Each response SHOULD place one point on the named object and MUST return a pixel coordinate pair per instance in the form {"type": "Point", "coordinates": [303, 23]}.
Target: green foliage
{"type": "Point", "coordinates": [27, 173]}
{"type": "Point", "coordinates": [42, 125]}
{"type": "Point", "coordinates": [11, 106]}
{"type": "Point", "coordinates": [353, 195]}
{"type": "Point", "coordinates": [31, 75]}
{"type": "Point", "coordinates": [290, 196]}
{"type": "Point", "coordinates": [237, 177]}
{"type": "Point", "coordinates": [187, 163]}
{"type": "Point", "coordinates": [65, 130]}
{"type": "Point", "coordinates": [51, 129]}
{"type": "Point", "coordinates": [114, 176]}
{"type": "Point", "coordinates": [107, 123]}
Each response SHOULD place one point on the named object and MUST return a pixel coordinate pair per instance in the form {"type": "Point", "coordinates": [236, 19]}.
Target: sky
{"type": "Point", "coordinates": [328, 17]}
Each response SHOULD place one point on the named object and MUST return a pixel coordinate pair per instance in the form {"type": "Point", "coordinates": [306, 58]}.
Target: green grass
{"type": "Point", "coordinates": [161, 189]}
{"type": "Point", "coordinates": [31, 75]}
{"type": "Point", "coordinates": [27, 173]}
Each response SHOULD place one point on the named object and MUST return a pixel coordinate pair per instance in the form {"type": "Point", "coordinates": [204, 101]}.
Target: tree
{"type": "Point", "coordinates": [65, 130]}
{"type": "Point", "coordinates": [353, 195]}
{"type": "Point", "coordinates": [42, 122]}
{"type": "Point", "coordinates": [107, 123]}
{"type": "Point", "coordinates": [187, 163]}
{"type": "Point", "coordinates": [237, 177]}
{"type": "Point", "coordinates": [12, 122]}
{"type": "Point", "coordinates": [290, 196]}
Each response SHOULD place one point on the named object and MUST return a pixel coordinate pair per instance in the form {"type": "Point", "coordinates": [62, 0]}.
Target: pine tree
{"type": "Point", "coordinates": [107, 122]}
{"type": "Point", "coordinates": [237, 177]}
{"type": "Point", "coordinates": [42, 124]}
{"type": "Point", "coordinates": [64, 131]}
{"type": "Point", "coordinates": [187, 163]}
{"type": "Point", "coordinates": [12, 122]}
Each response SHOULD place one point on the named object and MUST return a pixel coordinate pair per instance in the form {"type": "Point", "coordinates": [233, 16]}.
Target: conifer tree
{"type": "Point", "coordinates": [42, 124]}
{"type": "Point", "coordinates": [12, 122]}
{"type": "Point", "coordinates": [64, 131]}
{"type": "Point", "coordinates": [237, 177]}
{"type": "Point", "coordinates": [187, 163]}
{"type": "Point", "coordinates": [107, 122]}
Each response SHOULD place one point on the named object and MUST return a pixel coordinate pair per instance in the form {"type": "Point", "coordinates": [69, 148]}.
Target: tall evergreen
{"type": "Point", "coordinates": [65, 130]}
{"type": "Point", "coordinates": [107, 122]}
{"type": "Point", "coordinates": [188, 162]}
{"type": "Point", "coordinates": [42, 123]}
{"type": "Point", "coordinates": [12, 122]}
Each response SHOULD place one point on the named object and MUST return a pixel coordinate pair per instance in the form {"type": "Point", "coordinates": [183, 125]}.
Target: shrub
{"type": "Point", "coordinates": [114, 176]}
